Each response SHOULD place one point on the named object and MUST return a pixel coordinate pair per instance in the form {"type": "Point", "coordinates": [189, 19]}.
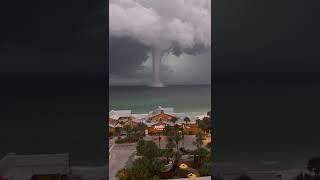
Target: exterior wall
{"type": "Point", "coordinates": [111, 120]}
{"type": "Point", "coordinates": [193, 129]}
{"type": "Point", "coordinates": [112, 129]}
{"type": "Point", "coordinates": [152, 130]}
{"type": "Point", "coordinates": [162, 116]}
{"type": "Point", "coordinates": [126, 121]}
{"type": "Point", "coordinates": [131, 123]}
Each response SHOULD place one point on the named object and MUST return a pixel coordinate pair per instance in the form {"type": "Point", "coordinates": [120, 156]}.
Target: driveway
{"type": "Point", "coordinates": [119, 156]}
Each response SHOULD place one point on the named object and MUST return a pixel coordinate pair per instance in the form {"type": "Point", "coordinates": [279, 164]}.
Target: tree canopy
{"type": "Point", "coordinates": [147, 149]}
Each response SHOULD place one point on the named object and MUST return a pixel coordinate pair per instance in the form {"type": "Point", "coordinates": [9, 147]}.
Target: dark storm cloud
{"type": "Point", "coordinates": [146, 30]}
{"type": "Point", "coordinates": [126, 56]}
{"type": "Point", "coordinates": [195, 50]}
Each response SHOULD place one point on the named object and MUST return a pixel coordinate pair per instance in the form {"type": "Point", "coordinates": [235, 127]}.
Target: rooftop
{"type": "Point", "coordinates": [167, 110]}
{"type": "Point", "coordinates": [120, 113]}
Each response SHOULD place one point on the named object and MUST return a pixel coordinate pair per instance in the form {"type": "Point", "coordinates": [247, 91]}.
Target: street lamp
{"type": "Point", "coordinates": [181, 132]}
{"type": "Point", "coordinates": [159, 140]}
{"type": "Point", "coordinates": [183, 166]}
{"type": "Point", "coordinates": [192, 175]}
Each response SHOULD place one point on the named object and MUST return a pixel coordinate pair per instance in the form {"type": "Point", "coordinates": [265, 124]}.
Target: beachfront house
{"type": "Point", "coordinates": [118, 119]}
{"type": "Point", "coordinates": [156, 120]}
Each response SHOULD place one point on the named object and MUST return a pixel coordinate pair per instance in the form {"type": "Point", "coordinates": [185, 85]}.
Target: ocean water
{"type": "Point", "coordinates": [142, 99]}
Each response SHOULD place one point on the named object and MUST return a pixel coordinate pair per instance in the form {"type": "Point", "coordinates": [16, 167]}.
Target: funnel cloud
{"type": "Point", "coordinates": [162, 26]}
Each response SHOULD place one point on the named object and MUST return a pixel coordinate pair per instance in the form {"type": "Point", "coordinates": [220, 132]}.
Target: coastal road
{"type": "Point", "coordinates": [112, 143]}
{"type": "Point", "coordinates": [119, 156]}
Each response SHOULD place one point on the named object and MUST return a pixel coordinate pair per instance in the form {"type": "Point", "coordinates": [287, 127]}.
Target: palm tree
{"type": "Point", "coordinates": [207, 125]}
{"type": "Point", "coordinates": [183, 139]}
{"type": "Point", "coordinates": [198, 121]}
{"type": "Point", "coordinates": [176, 136]}
{"type": "Point", "coordinates": [159, 139]}
{"type": "Point", "coordinates": [177, 160]}
{"type": "Point", "coordinates": [118, 132]}
{"type": "Point", "coordinates": [186, 119]}
{"type": "Point", "coordinates": [127, 128]}
{"type": "Point", "coordinates": [207, 122]}
{"type": "Point", "coordinates": [176, 139]}
{"type": "Point", "coordinates": [180, 130]}
{"type": "Point", "coordinates": [201, 156]}
{"type": "Point", "coordinates": [169, 151]}
{"type": "Point", "coordinates": [199, 140]}
{"type": "Point", "coordinates": [314, 165]}
{"type": "Point", "coordinates": [141, 127]}
{"type": "Point", "coordinates": [201, 125]}
{"type": "Point", "coordinates": [168, 130]}
{"type": "Point", "coordinates": [170, 144]}
{"type": "Point", "coordinates": [174, 120]}
{"type": "Point", "coordinates": [209, 113]}
{"type": "Point", "coordinates": [209, 145]}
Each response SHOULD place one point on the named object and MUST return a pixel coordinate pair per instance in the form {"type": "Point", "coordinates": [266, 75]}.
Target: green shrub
{"type": "Point", "coordinates": [120, 141]}
{"type": "Point", "coordinates": [128, 139]}
{"type": "Point", "coordinates": [148, 149]}
{"type": "Point", "coordinates": [142, 169]}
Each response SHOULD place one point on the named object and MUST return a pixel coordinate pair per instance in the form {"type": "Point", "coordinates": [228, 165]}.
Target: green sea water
{"type": "Point", "coordinates": [142, 99]}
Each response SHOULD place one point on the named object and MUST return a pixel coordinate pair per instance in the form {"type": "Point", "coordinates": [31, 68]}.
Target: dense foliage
{"type": "Point", "coordinates": [146, 168]}
{"type": "Point", "coordinates": [142, 169]}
